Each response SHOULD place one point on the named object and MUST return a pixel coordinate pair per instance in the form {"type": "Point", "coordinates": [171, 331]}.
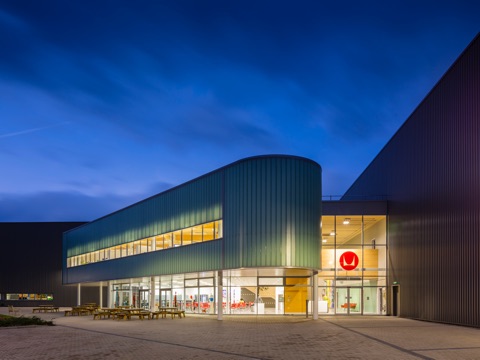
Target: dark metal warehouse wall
{"type": "Point", "coordinates": [430, 171]}
{"type": "Point", "coordinates": [31, 262]}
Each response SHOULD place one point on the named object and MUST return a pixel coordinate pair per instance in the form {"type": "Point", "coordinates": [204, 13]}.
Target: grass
{"type": "Point", "coordinates": [6, 320]}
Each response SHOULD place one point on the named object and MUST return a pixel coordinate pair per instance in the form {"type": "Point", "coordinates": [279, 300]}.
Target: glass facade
{"type": "Point", "coordinates": [29, 296]}
{"type": "Point", "coordinates": [354, 265]}
{"type": "Point", "coordinates": [352, 279]}
{"type": "Point", "coordinates": [245, 292]}
{"type": "Point", "coordinates": [191, 235]}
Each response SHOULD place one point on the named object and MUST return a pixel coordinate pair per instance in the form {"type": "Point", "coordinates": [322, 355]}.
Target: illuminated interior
{"type": "Point", "coordinates": [187, 236]}
{"type": "Point", "coordinates": [356, 286]}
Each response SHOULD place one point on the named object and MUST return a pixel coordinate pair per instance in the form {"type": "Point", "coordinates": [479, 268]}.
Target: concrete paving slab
{"type": "Point", "coordinates": [237, 337]}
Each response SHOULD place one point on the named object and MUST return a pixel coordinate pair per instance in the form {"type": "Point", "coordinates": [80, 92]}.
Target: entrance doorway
{"type": "Point", "coordinates": [166, 297]}
{"type": "Point", "coordinates": [395, 300]}
{"type": "Point", "coordinates": [349, 300]}
{"type": "Point", "coordinates": [143, 299]}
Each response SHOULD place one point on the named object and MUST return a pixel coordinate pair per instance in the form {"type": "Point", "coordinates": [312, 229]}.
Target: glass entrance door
{"type": "Point", "coordinates": [143, 299]}
{"type": "Point", "coordinates": [166, 298]}
{"type": "Point", "coordinates": [349, 300]}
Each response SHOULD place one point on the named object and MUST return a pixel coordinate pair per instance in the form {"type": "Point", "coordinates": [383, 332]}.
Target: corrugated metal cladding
{"type": "Point", "coordinates": [31, 262]}
{"type": "Point", "coordinates": [195, 202]}
{"type": "Point", "coordinates": [203, 256]}
{"type": "Point", "coordinates": [270, 206]}
{"type": "Point", "coordinates": [430, 171]}
{"type": "Point", "coordinates": [272, 213]}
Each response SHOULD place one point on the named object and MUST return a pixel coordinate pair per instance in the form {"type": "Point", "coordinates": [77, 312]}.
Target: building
{"type": "Point", "coordinates": [244, 239]}
{"type": "Point", "coordinates": [247, 234]}
{"type": "Point", "coordinates": [430, 171]}
{"type": "Point", "coordinates": [31, 266]}
{"type": "Point", "coordinates": [254, 237]}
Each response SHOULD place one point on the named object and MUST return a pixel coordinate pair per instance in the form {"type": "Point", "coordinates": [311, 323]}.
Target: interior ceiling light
{"type": "Point", "coordinates": [332, 233]}
{"type": "Point", "coordinates": [324, 240]}
{"type": "Point", "coordinates": [346, 221]}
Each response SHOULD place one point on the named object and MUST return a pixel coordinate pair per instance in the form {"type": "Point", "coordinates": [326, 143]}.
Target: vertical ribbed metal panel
{"type": "Point", "coordinates": [430, 171]}
{"type": "Point", "coordinates": [272, 212]}
{"type": "Point", "coordinates": [199, 257]}
{"type": "Point", "coordinates": [272, 218]}
{"type": "Point", "coordinates": [195, 202]}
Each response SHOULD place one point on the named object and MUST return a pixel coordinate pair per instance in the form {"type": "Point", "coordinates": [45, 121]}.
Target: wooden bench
{"type": "Point", "coordinates": [11, 310]}
{"type": "Point", "coordinates": [178, 313]}
{"type": "Point", "coordinates": [156, 314]}
{"type": "Point", "coordinates": [120, 315]}
{"type": "Point", "coordinates": [80, 311]}
{"type": "Point", "coordinates": [101, 314]}
{"type": "Point", "coordinates": [141, 314]}
{"type": "Point", "coordinates": [45, 309]}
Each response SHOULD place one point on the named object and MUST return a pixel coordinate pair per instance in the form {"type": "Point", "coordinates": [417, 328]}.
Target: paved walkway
{"type": "Point", "coordinates": [236, 337]}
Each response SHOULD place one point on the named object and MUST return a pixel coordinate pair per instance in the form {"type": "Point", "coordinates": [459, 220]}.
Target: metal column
{"type": "Point", "coordinates": [315, 296]}
{"type": "Point", "coordinates": [152, 294]}
{"type": "Point", "coordinates": [78, 294]}
{"type": "Point", "coordinates": [220, 295]}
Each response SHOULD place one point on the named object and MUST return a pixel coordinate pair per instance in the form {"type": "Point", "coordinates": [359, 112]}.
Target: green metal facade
{"type": "Point", "coordinates": [272, 213]}
{"type": "Point", "coordinates": [270, 206]}
{"type": "Point", "coordinates": [199, 257]}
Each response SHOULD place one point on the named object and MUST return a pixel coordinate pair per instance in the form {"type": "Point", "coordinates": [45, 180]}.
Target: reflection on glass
{"type": "Point", "coordinates": [353, 275]}
{"type": "Point", "coordinates": [177, 238]}
{"type": "Point", "coordinates": [187, 236]}
{"type": "Point", "coordinates": [167, 241]}
{"type": "Point", "coordinates": [191, 235]}
{"type": "Point", "coordinates": [197, 234]}
{"type": "Point", "coordinates": [208, 231]}
{"type": "Point", "coordinates": [159, 242]}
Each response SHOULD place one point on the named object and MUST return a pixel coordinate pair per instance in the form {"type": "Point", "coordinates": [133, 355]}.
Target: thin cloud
{"type": "Point", "coordinates": [28, 131]}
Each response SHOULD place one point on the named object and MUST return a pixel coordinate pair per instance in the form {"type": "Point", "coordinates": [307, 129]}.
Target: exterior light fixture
{"type": "Point", "coordinates": [346, 221]}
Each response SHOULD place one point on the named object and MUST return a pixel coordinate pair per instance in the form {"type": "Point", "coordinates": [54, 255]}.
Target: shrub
{"type": "Point", "coordinates": [22, 321]}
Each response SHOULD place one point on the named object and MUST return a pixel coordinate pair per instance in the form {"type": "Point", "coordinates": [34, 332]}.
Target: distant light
{"type": "Point", "coordinates": [346, 221]}
{"type": "Point", "coordinates": [332, 233]}
{"type": "Point", "coordinates": [324, 240]}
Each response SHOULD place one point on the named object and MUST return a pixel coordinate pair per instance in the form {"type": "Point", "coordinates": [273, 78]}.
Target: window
{"type": "Point", "coordinates": [30, 296]}
{"type": "Point", "coordinates": [191, 235]}
{"type": "Point", "coordinates": [187, 236]}
{"type": "Point", "coordinates": [177, 238]}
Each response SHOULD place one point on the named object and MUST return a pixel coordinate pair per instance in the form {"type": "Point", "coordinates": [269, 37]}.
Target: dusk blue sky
{"type": "Point", "coordinates": [105, 103]}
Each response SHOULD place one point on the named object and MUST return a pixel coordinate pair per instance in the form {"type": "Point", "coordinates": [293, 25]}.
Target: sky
{"type": "Point", "coordinates": [105, 103]}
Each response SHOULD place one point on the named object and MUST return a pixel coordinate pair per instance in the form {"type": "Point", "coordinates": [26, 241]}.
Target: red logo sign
{"type": "Point", "coordinates": [349, 260]}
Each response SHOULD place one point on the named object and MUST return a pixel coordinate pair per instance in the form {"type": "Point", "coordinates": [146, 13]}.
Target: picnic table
{"type": "Point", "coordinates": [45, 308]}
{"type": "Point", "coordinates": [102, 313]}
{"type": "Point", "coordinates": [81, 310]}
{"type": "Point", "coordinates": [173, 311]}
{"type": "Point", "coordinates": [127, 314]}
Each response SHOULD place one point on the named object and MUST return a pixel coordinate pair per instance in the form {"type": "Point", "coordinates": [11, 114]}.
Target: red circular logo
{"type": "Point", "coordinates": [349, 260]}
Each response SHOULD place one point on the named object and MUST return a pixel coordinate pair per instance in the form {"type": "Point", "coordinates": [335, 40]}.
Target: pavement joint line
{"type": "Point", "coordinates": [388, 326]}
{"type": "Point", "coordinates": [447, 349]}
{"type": "Point", "coordinates": [410, 352]}
{"type": "Point", "coordinates": [165, 343]}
